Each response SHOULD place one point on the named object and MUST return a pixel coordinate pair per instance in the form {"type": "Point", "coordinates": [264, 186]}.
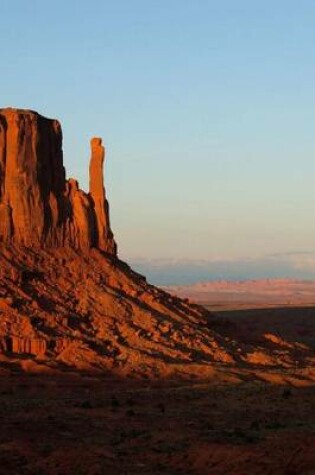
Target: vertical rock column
{"type": "Point", "coordinates": [5, 211]}
{"type": "Point", "coordinates": [104, 238]}
{"type": "Point", "coordinates": [32, 178]}
{"type": "Point", "coordinates": [2, 155]}
{"type": "Point", "coordinates": [22, 188]}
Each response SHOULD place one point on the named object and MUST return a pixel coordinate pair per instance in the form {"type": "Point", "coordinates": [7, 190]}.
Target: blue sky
{"type": "Point", "coordinates": [207, 110]}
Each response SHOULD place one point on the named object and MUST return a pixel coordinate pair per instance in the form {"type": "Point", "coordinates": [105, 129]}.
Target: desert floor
{"type": "Point", "coordinates": [80, 424]}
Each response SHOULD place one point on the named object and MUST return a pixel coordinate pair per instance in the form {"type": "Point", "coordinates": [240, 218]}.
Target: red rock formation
{"type": "Point", "coordinates": [38, 206]}
{"type": "Point", "coordinates": [61, 307]}
{"type": "Point", "coordinates": [97, 193]}
{"type": "Point", "coordinates": [18, 345]}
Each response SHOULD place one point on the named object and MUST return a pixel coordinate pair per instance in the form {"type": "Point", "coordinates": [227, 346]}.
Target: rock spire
{"type": "Point", "coordinates": [38, 206]}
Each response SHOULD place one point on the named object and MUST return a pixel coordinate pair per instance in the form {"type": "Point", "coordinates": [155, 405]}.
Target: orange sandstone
{"type": "Point", "coordinates": [66, 300]}
{"type": "Point", "coordinates": [38, 206]}
{"type": "Point", "coordinates": [97, 193]}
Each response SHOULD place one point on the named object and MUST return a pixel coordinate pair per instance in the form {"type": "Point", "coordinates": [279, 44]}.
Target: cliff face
{"type": "Point", "coordinates": [38, 206]}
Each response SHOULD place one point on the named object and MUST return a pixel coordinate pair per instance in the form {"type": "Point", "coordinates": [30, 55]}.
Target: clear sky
{"type": "Point", "coordinates": [207, 109]}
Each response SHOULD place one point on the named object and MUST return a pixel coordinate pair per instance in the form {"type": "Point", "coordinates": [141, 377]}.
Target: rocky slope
{"type": "Point", "coordinates": [67, 303]}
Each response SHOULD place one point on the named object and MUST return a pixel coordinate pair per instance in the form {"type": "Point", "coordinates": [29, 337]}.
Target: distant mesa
{"type": "Point", "coordinates": [38, 205]}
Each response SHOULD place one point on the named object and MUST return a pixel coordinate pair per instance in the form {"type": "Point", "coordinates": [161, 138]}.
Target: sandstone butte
{"type": "Point", "coordinates": [38, 206]}
{"type": "Point", "coordinates": [68, 303]}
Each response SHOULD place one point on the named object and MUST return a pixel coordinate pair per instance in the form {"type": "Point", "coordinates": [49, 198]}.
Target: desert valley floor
{"type": "Point", "coordinates": [103, 373]}
{"type": "Point", "coordinates": [104, 424]}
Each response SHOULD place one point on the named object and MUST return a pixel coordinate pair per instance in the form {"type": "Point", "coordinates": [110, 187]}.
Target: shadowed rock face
{"type": "Point", "coordinates": [38, 206]}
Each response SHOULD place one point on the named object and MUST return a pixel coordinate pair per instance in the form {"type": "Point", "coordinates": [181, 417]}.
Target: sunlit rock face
{"type": "Point", "coordinates": [38, 206]}
{"type": "Point", "coordinates": [67, 304]}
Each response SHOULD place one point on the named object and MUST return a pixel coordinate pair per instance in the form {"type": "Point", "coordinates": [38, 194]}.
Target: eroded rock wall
{"type": "Point", "coordinates": [38, 206]}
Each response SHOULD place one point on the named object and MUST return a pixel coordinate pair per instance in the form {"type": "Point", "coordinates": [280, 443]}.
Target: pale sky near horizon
{"type": "Point", "coordinates": [207, 109]}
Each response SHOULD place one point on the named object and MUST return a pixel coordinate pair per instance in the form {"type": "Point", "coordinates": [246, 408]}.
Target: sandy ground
{"type": "Point", "coordinates": [257, 419]}
{"type": "Point", "coordinates": [96, 425]}
{"type": "Point", "coordinates": [104, 426]}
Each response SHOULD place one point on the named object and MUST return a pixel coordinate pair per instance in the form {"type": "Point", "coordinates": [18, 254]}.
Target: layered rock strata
{"type": "Point", "coordinates": [38, 206]}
